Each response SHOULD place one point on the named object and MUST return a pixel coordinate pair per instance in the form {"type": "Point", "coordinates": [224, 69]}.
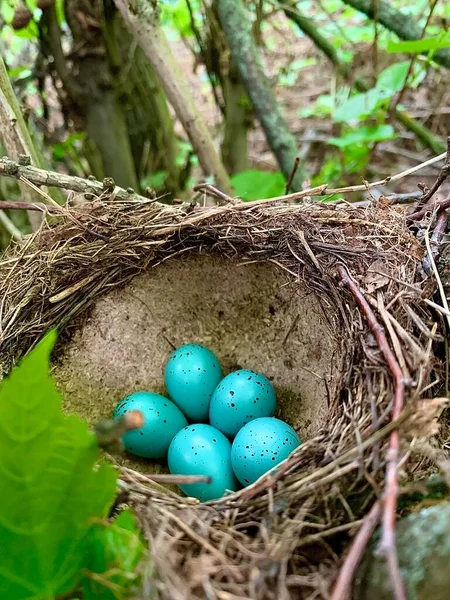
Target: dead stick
{"type": "Point", "coordinates": [292, 175]}
{"type": "Point", "coordinates": [111, 431]}
{"type": "Point", "coordinates": [91, 187]}
{"type": "Point", "coordinates": [436, 239]}
{"type": "Point", "coordinates": [174, 479]}
{"type": "Point", "coordinates": [433, 206]}
{"type": "Point", "coordinates": [36, 206]}
{"type": "Point", "coordinates": [342, 588]}
{"type": "Point", "coordinates": [444, 173]}
{"type": "Point", "coordinates": [387, 544]}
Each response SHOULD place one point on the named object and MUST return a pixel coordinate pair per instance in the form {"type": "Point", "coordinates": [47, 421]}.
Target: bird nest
{"type": "Point", "coordinates": [329, 301]}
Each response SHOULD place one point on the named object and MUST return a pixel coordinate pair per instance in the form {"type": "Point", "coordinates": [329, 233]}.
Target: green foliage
{"type": "Point", "coordinates": [364, 135]}
{"type": "Point", "coordinates": [53, 486]}
{"type": "Point", "coordinates": [257, 185]}
{"type": "Point", "coordinates": [418, 46]}
{"type": "Point", "coordinates": [116, 551]}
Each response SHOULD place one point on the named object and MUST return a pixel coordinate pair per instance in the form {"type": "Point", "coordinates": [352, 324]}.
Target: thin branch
{"type": "Point", "coordinates": [292, 175]}
{"type": "Point", "coordinates": [443, 175]}
{"type": "Point", "coordinates": [429, 208]}
{"type": "Point", "coordinates": [387, 544]}
{"type": "Point", "coordinates": [90, 187]}
{"type": "Point", "coordinates": [435, 240]}
{"type": "Point", "coordinates": [111, 431]}
{"type": "Point", "coordinates": [344, 581]}
{"type": "Point", "coordinates": [414, 58]}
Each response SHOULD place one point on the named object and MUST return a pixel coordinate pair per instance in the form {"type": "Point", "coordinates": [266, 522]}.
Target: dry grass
{"type": "Point", "coordinates": [282, 537]}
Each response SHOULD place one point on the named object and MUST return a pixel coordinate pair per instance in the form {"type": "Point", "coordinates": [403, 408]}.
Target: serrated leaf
{"type": "Point", "coordinates": [418, 46]}
{"type": "Point", "coordinates": [256, 184]}
{"type": "Point", "coordinates": [52, 485]}
{"type": "Point", "coordinates": [116, 550]}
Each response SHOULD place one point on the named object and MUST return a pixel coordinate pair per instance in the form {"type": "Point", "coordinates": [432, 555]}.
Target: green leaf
{"type": "Point", "coordinates": [392, 79]}
{"type": "Point", "coordinates": [364, 135]}
{"type": "Point", "coordinates": [52, 484]}
{"type": "Point", "coordinates": [323, 107]}
{"type": "Point", "coordinates": [418, 46]}
{"type": "Point", "coordinates": [116, 550]}
{"type": "Point", "coordinates": [257, 185]}
{"type": "Point", "coordinates": [360, 106]}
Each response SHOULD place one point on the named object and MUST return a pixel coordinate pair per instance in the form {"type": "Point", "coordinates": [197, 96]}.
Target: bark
{"type": "Point", "coordinates": [397, 22]}
{"type": "Point", "coordinates": [423, 548]}
{"type": "Point", "coordinates": [307, 26]}
{"type": "Point", "coordinates": [238, 31]}
{"type": "Point", "coordinates": [90, 89]}
{"type": "Point", "coordinates": [142, 17]}
{"type": "Point", "coordinates": [154, 144]}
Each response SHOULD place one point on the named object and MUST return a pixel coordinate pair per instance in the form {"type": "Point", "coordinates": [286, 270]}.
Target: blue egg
{"type": "Point", "coordinates": [261, 445]}
{"type": "Point", "coordinates": [239, 398]}
{"type": "Point", "coordinates": [202, 450]}
{"type": "Point", "coordinates": [191, 376]}
{"type": "Point", "coordinates": [162, 421]}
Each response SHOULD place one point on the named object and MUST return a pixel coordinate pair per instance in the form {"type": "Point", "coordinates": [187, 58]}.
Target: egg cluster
{"type": "Point", "coordinates": [243, 439]}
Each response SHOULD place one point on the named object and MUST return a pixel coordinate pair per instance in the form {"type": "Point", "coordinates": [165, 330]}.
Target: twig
{"type": "Point", "coordinates": [435, 240]}
{"type": "Point", "coordinates": [435, 206]}
{"type": "Point", "coordinates": [324, 190]}
{"type": "Point", "coordinates": [342, 588]}
{"type": "Point", "coordinates": [443, 175]}
{"type": "Point", "coordinates": [414, 58]}
{"type": "Point", "coordinates": [387, 545]}
{"type": "Point", "coordinates": [292, 175]}
{"type": "Point", "coordinates": [91, 187]}
{"type": "Point", "coordinates": [111, 431]}
{"type": "Point", "coordinates": [170, 479]}
{"type": "Point", "coordinates": [214, 192]}
{"type": "Point", "coordinates": [437, 276]}
{"type": "Point", "coordinates": [35, 206]}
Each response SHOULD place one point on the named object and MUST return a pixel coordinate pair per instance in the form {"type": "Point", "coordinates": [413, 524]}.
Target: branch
{"type": "Point", "coordinates": [387, 544]}
{"type": "Point", "coordinates": [87, 187]}
{"type": "Point", "coordinates": [399, 23]}
{"type": "Point", "coordinates": [343, 585]}
{"type": "Point", "coordinates": [142, 18]}
{"type": "Point", "coordinates": [429, 208]}
{"type": "Point", "coordinates": [238, 32]}
{"type": "Point", "coordinates": [307, 26]}
{"type": "Point", "coordinates": [109, 433]}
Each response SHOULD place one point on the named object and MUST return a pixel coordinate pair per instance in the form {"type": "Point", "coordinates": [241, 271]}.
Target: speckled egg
{"type": "Point", "coordinates": [203, 450]}
{"type": "Point", "coordinates": [162, 421]}
{"type": "Point", "coordinates": [191, 376]}
{"type": "Point", "coordinates": [239, 398]}
{"type": "Point", "coordinates": [261, 445]}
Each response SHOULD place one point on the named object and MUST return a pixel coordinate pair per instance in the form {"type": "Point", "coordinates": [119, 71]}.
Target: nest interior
{"type": "Point", "coordinates": [250, 315]}
{"type": "Point", "coordinates": [262, 285]}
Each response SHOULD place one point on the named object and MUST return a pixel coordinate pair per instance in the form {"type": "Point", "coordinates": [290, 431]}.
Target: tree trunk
{"type": "Point", "coordinates": [237, 28]}
{"type": "Point", "coordinates": [95, 95]}
{"type": "Point", "coordinates": [143, 19]}
{"type": "Point", "coordinates": [397, 22]}
{"type": "Point", "coordinates": [150, 125]}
